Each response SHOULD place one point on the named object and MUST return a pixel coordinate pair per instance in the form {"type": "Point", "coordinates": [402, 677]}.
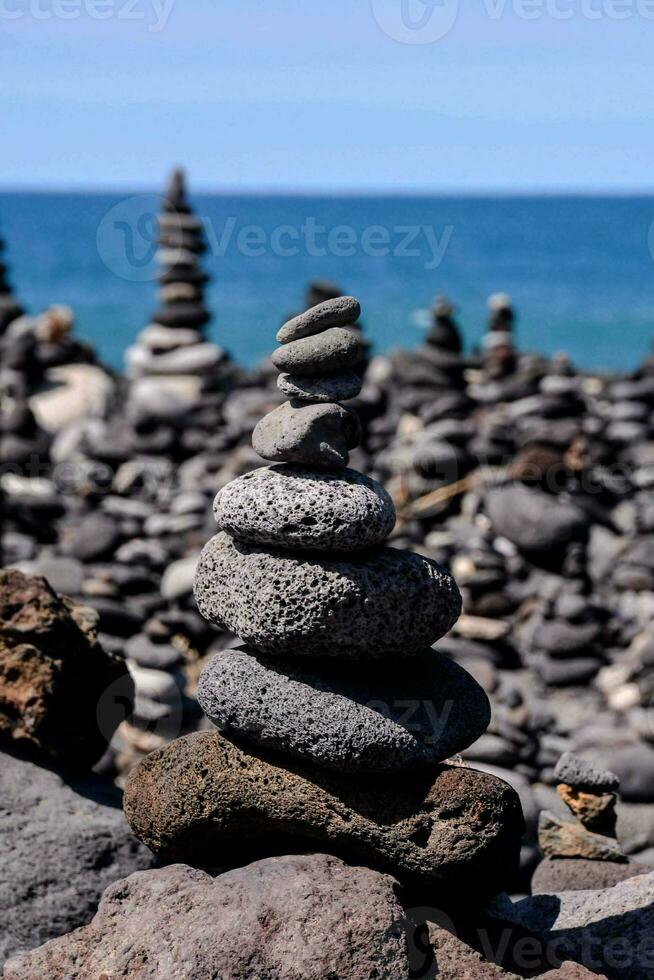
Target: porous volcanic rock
{"type": "Point", "coordinates": [298, 509]}
{"type": "Point", "coordinates": [62, 841]}
{"type": "Point", "coordinates": [61, 694]}
{"type": "Point", "coordinates": [204, 800]}
{"type": "Point", "coordinates": [308, 916]}
{"type": "Point", "coordinates": [340, 716]}
{"type": "Point", "coordinates": [384, 603]}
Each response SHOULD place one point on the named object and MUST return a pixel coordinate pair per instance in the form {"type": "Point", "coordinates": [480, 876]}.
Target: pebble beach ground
{"type": "Point", "coordinates": [495, 507]}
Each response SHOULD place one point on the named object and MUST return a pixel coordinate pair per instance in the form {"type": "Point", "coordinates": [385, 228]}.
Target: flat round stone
{"type": "Point", "coordinates": [384, 603]}
{"type": "Point", "coordinates": [324, 353]}
{"type": "Point", "coordinates": [337, 312]}
{"type": "Point", "coordinates": [341, 716]}
{"type": "Point", "coordinates": [305, 510]}
{"type": "Point", "coordinates": [332, 388]}
{"type": "Point", "coordinates": [311, 435]}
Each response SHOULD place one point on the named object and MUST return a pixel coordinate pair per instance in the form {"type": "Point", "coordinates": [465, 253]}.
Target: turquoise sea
{"type": "Point", "coordinates": [579, 269]}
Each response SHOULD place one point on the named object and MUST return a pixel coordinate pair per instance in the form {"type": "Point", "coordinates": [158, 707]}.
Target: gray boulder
{"type": "Point", "coordinates": [324, 353]}
{"type": "Point", "coordinates": [62, 843]}
{"type": "Point", "coordinates": [333, 388]}
{"type": "Point", "coordinates": [337, 312]}
{"type": "Point", "coordinates": [533, 520]}
{"type": "Point", "coordinates": [340, 716]}
{"type": "Point", "coordinates": [385, 603]}
{"type": "Point", "coordinates": [609, 930]}
{"type": "Point", "coordinates": [311, 435]}
{"type": "Point", "coordinates": [305, 510]}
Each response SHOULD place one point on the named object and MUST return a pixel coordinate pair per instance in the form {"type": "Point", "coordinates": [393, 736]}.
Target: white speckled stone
{"type": "Point", "coordinates": [299, 509]}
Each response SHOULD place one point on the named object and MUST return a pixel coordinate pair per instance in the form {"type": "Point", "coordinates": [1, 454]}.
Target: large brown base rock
{"type": "Point", "coordinates": [204, 800]}
{"type": "Point", "coordinates": [280, 919]}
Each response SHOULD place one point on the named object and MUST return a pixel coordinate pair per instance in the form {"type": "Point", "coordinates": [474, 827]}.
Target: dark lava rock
{"type": "Point", "coordinates": [533, 520]}
{"type": "Point", "coordinates": [95, 537]}
{"type": "Point", "coordinates": [204, 800]}
{"type": "Point", "coordinates": [305, 510]}
{"type": "Point", "coordinates": [386, 603]}
{"type": "Point", "coordinates": [62, 842]}
{"type": "Point", "coordinates": [344, 717]}
{"type": "Point", "coordinates": [311, 435]}
{"type": "Point", "coordinates": [575, 771]}
{"type": "Point", "coordinates": [61, 694]}
{"type": "Point", "coordinates": [308, 916]}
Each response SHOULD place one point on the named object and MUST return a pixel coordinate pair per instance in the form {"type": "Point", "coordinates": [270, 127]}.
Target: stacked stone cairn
{"type": "Point", "coordinates": [179, 378]}
{"type": "Point", "coordinates": [334, 714]}
{"type": "Point", "coordinates": [500, 354]}
{"type": "Point", "coordinates": [584, 852]}
{"type": "Point", "coordinates": [10, 308]}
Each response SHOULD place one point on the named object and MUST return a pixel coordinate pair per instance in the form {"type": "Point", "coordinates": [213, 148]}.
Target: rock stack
{"type": "Point", "coordinates": [178, 376]}
{"type": "Point", "coordinates": [315, 748]}
{"type": "Point", "coordinates": [10, 308]}
{"type": "Point", "coordinates": [498, 342]}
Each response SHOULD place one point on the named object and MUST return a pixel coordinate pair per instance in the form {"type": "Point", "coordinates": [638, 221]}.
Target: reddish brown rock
{"type": "Point", "coordinates": [280, 919]}
{"type": "Point", "coordinates": [61, 694]}
{"type": "Point", "coordinates": [596, 811]}
{"type": "Point", "coordinates": [565, 839]}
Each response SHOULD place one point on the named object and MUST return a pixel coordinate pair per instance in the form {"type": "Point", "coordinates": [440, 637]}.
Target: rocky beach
{"type": "Point", "coordinates": [341, 667]}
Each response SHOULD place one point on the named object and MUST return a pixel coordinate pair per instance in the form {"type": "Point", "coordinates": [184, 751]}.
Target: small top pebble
{"type": "Point", "coordinates": [338, 312]}
{"type": "Point", "coordinates": [577, 772]}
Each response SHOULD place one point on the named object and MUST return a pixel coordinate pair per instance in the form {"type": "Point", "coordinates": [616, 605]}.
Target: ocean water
{"type": "Point", "coordinates": [580, 270]}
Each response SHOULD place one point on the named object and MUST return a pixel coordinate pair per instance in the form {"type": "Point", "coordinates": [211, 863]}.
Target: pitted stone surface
{"type": "Point", "coordinates": [205, 800]}
{"type": "Point", "coordinates": [312, 435]}
{"type": "Point", "coordinates": [332, 388]}
{"type": "Point", "coordinates": [298, 916]}
{"type": "Point", "coordinates": [306, 510]}
{"type": "Point", "coordinates": [324, 353]}
{"type": "Point", "coordinates": [574, 771]}
{"type": "Point", "coordinates": [386, 603]}
{"type": "Point", "coordinates": [335, 312]}
{"type": "Point", "coordinates": [342, 716]}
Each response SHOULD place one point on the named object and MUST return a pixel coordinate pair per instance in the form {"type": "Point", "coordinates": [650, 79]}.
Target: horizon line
{"type": "Point", "coordinates": [197, 188]}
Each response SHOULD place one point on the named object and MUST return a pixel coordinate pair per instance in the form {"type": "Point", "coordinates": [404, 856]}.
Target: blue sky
{"type": "Point", "coordinates": [321, 94]}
